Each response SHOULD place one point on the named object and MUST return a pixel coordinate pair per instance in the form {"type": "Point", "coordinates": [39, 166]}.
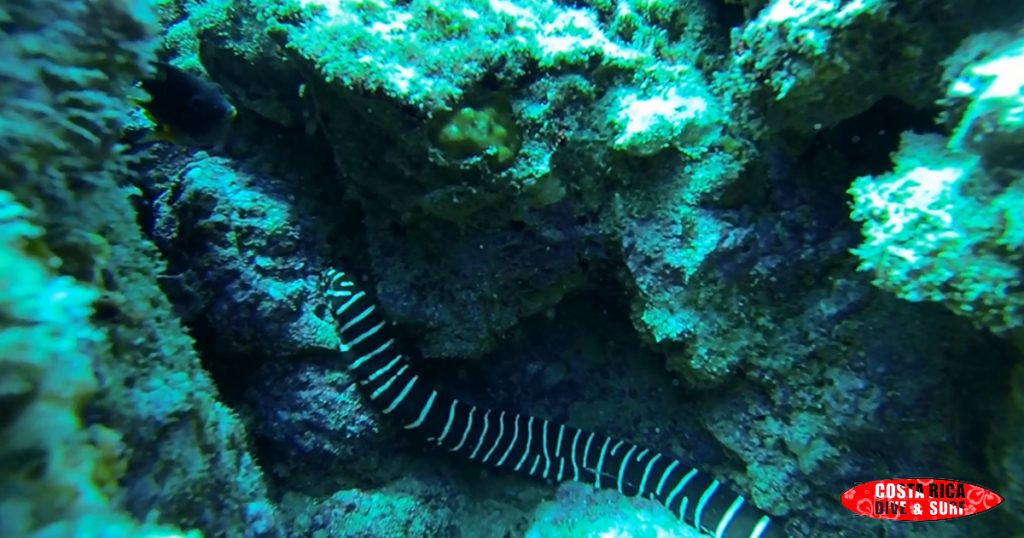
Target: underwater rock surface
{"type": "Point", "coordinates": [780, 240]}
{"type": "Point", "coordinates": [111, 425]}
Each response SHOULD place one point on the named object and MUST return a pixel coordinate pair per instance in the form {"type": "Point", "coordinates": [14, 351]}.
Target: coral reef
{"type": "Point", "coordinates": [407, 507]}
{"type": "Point", "coordinates": [465, 290]}
{"type": "Point", "coordinates": [945, 225]}
{"type": "Point", "coordinates": [801, 65]}
{"type": "Point", "coordinates": [109, 419]}
{"type": "Point", "coordinates": [51, 457]}
{"type": "Point", "coordinates": [842, 405]}
{"type": "Point", "coordinates": [716, 287]}
{"type": "Point", "coordinates": [579, 510]}
{"type": "Point", "coordinates": [648, 139]}
{"type": "Point", "coordinates": [239, 257]}
{"type": "Point", "coordinates": [632, 216]}
{"type": "Point", "coordinates": [311, 412]}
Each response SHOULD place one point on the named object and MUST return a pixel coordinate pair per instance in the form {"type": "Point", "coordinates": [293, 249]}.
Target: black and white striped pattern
{"type": "Point", "coordinates": [526, 444]}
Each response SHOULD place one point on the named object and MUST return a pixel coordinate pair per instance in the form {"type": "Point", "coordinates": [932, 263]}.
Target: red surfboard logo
{"type": "Point", "coordinates": [919, 499]}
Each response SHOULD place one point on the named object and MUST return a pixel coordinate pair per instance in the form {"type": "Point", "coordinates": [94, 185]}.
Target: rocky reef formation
{"type": "Point", "coordinates": [675, 221]}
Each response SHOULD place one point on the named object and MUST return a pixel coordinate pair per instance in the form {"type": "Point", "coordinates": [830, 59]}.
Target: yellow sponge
{"type": "Point", "coordinates": [488, 132]}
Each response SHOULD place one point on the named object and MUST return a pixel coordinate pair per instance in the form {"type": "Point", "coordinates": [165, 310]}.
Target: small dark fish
{"type": "Point", "coordinates": [186, 109]}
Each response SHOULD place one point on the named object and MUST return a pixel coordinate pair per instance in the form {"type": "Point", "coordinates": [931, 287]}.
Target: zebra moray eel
{"type": "Point", "coordinates": [525, 444]}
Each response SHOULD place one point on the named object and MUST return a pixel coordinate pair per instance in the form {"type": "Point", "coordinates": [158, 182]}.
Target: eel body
{"type": "Point", "coordinates": [525, 444]}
